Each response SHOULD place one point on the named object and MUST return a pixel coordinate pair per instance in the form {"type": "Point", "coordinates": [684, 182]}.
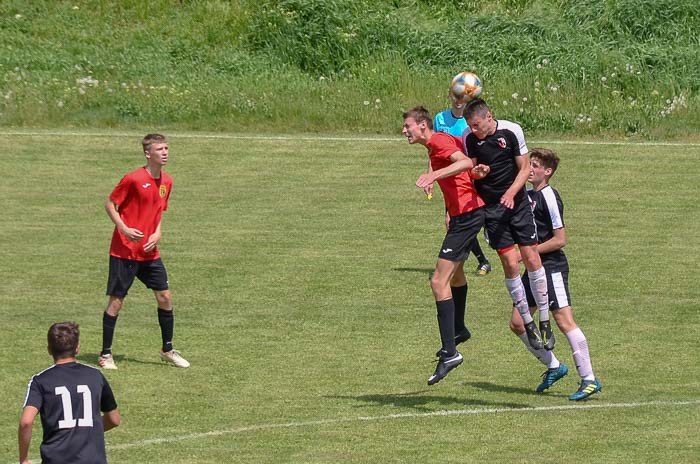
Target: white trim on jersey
{"type": "Point", "coordinates": [553, 207]}
{"type": "Point", "coordinates": [29, 384]}
{"type": "Point", "coordinates": [515, 128]}
{"type": "Point", "coordinates": [559, 290]}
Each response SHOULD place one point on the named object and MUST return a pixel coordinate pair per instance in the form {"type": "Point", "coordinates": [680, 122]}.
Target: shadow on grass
{"type": "Point", "coordinates": [493, 387]}
{"type": "Point", "coordinates": [91, 358]}
{"type": "Point", "coordinates": [420, 401]}
{"type": "Point", "coordinates": [421, 270]}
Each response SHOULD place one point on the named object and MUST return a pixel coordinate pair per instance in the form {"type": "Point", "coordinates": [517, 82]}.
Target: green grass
{"type": "Point", "coordinates": [299, 274]}
{"type": "Point", "coordinates": [622, 68]}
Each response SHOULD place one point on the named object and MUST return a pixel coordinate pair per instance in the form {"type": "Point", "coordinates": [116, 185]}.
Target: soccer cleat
{"type": "Point", "coordinates": [587, 388]}
{"type": "Point", "coordinates": [106, 361]}
{"type": "Point", "coordinates": [550, 376]}
{"type": "Point", "coordinates": [174, 358]}
{"type": "Point", "coordinates": [483, 268]}
{"type": "Point", "coordinates": [547, 335]}
{"type": "Point", "coordinates": [533, 336]}
{"type": "Point", "coordinates": [445, 365]}
{"type": "Point", "coordinates": [460, 338]}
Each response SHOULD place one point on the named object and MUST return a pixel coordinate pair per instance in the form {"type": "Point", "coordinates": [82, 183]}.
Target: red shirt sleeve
{"type": "Point", "coordinates": [121, 191]}
{"type": "Point", "coordinates": [441, 147]}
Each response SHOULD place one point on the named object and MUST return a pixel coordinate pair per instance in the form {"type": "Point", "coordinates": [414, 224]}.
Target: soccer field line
{"type": "Point", "coordinates": [319, 138]}
{"type": "Point", "coordinates": [407, 415]}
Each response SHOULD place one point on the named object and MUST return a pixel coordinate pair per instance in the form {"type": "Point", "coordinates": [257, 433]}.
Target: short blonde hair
{"type": "Point", "coordinates": [150, 139]}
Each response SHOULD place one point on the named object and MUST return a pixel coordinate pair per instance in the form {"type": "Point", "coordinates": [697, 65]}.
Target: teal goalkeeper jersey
{"type": "Point", "coordinates": [446, 122]}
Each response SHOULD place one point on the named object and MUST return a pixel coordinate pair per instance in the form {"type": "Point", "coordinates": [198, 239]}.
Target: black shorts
{"type": "Point", "coordinates": [461, 235]}
{"type": "Point", "coordinates": [507, 227]}
{"type": "Point", "coordinates": [123, 271]}
{"type": "Point", "coordinates": [557, 287]}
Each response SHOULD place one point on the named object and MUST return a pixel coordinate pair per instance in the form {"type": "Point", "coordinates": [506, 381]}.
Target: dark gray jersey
{"type": "Point", "coordinates": [70, 398]}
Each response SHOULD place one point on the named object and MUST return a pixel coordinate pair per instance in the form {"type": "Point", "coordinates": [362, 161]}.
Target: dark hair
{"type": "Point", "coordinates": [476, 107]}
{"type": "Point", "coordinates": [547, 158]}
{"type": "Point", "coordinates": [150, 139]}
{"type": "Point", "coordinates": [419, 114]}
{"type": "Point", "coordinates": [63, 339]}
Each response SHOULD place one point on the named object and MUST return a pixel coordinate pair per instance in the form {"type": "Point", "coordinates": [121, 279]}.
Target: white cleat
{"type": "Point", "coordinates": [106, 361]}
{"type": "Point", "coordinates": [174, 357]}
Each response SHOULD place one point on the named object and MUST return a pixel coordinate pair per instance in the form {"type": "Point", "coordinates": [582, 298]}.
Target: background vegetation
{"type": "Point", "coordinates": [580, 67]}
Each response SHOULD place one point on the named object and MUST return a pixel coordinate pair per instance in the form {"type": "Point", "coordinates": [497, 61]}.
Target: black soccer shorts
{"type": "Point", "coordinates": [507, 227]}
{"type": "Point", "coordinates": [461, 234]}
{"type": "Point", "coordinates": [557, 288]}
{"type": "Point", "coordinates": [123, 271]}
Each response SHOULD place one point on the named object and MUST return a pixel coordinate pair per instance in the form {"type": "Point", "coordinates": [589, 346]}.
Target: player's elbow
{"type": "Point", "coordinates": [111, 420]}
{"type": "Point", "coordinates": [25, 425]}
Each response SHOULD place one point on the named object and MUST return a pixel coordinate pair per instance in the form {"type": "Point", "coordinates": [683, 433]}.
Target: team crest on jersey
{"type": "Point", "coordinates": [163, 191]}
{"type": "Point", "coordinates": [501, 142]}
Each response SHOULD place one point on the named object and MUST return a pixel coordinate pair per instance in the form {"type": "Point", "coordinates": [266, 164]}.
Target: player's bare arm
{"type": "Point", "coordinates": [523, 163]}
{"type": "Point", "coordinates": [429, 188]}
{"type": "Point", "coordinates": [153, 239]}
{"type": "Point", "coordinates": [557, 242]}
{"type": "Point", "coordinates": [132, 234]}
{"type": "Point", "coordinates": [24, 434]}
{"type": "Point", "coordinates": [460, 163]}
{"type": "Point", "coordinates": [111, 419]}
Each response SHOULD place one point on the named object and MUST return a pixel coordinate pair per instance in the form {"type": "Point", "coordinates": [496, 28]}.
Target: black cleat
{"type": "Point", "coordinates": [533, 336]}
{"type": "Point", "coordinates": [547, 335]}
{"type": "Point", "coordinates": [445, 365]}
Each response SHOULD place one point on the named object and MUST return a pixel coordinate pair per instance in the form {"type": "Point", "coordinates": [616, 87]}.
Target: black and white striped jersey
{"type": "Point", "coordinates": [548, 209]}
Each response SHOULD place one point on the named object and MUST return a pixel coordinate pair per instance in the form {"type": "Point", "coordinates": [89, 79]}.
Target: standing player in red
{"type": "Point", "coordinates": [449, 168]}
{"type": "Point", "coordinates": [135, 206]}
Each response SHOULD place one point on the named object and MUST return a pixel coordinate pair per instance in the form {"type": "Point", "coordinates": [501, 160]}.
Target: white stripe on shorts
{"type": "Point", "coordinates": [559, 290]}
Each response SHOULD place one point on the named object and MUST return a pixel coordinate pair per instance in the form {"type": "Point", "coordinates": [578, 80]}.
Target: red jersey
{"type": "Point", "coordinates": [458, 190]}
{"type": "Point", "coordinates": [141, 200]}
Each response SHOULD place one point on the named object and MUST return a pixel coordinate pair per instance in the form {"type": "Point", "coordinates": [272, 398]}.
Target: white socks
{"type": "Point", "coordinates": [517, 294]}
{"type": "Point", "coordinates": [538, 285]}
{"type": "Point", "coordinates": [579, 345]}
{"type": "Point", "coordinates": [546, 357]}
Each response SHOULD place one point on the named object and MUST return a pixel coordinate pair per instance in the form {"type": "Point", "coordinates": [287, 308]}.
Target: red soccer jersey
{"type": "Point", "coordinates": [458, 190]}
{"type": "Point", "coordinates": [141, 200]}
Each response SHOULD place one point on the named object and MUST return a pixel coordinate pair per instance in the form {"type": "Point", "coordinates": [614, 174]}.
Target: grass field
{"type": "Point", "coordinates": [299, 274]}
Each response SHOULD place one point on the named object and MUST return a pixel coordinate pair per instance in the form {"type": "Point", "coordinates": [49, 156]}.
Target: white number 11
{"type": "Point", "coordinates": [68, 422]}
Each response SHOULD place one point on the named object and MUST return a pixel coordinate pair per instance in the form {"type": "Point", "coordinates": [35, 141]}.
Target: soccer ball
{"type": "Point", "coordinates": [466, 86]}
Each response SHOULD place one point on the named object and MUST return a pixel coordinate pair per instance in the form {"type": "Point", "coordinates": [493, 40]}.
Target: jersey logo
{"type": "Point", "coordinates": [163, 191]}
{"type": "Point", "coordinates": [501, 142]}
{"type": "Point", "coordinates": [146, 185]}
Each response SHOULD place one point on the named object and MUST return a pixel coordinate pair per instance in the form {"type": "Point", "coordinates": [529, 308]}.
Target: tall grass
{"type": "Point", "coordinates": [581, 67]}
